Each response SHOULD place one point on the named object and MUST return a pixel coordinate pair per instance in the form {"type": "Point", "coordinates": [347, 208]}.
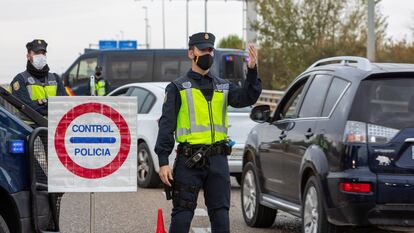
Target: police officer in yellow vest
{"type": "Point", "coordinates": [36, 84]}
{"type": "Point", "coordinates": [98, 86]}
{"type": "Point", "coordinates": [195, 113]}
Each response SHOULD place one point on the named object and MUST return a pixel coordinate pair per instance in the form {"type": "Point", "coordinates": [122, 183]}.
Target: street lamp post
{"type": "Point", "coordinates": [371, 30]}
{"type": "Point", "coordinates": [146, 26]}
{"type": "Point", "coordinates": [205, 15]}
{"type": "Point", "coordinates": [163, 24]}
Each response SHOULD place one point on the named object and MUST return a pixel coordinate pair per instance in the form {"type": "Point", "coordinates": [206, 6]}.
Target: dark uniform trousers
{"type": "Point", "coordinates": [215, 181]}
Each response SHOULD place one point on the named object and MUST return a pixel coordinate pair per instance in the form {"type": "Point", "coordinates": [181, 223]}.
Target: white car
{"type": "Point", "coordinates": [150, 99]}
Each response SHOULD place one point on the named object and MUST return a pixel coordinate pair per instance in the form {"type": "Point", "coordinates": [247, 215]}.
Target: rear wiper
{"type": "Point", "coordinates": [29, 112]}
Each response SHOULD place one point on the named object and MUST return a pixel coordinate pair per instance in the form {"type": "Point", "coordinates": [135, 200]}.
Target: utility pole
{"type": "Point", "coordinates": [146, 26]}
{"type": "Point", "coordinates": [205, 15]}
{"type": "Point", "coordinates": [163, 24]}
{"type": "Point", "coordinates": [187, 22]}
{"type": "Point", "coordinates": [371, 30]}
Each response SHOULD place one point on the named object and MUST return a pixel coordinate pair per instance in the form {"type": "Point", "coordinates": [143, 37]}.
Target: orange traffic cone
{"type": "Point", "coordinates": [160, 222]}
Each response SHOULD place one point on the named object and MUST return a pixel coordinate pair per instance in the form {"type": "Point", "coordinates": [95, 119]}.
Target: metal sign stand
{"type": "Point", "coordinates": [92, 212]}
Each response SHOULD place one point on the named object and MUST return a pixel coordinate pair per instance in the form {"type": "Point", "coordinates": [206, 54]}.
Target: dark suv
{"type": "Point", "coordinates": [25, 204]}
{"type": "Point", "coordinates": [338, 150]}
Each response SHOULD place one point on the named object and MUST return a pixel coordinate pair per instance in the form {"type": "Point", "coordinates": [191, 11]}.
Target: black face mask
{"type": "Point", "coordinates": [98, 73]}
{"type": "Point", "coordinates": [205, 61]}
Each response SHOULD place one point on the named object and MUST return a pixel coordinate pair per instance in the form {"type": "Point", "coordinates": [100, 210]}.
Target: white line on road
{"type": "Point", "coordinates": [201, 230]}
{"type": "Point", "coordinates": [200, 212]}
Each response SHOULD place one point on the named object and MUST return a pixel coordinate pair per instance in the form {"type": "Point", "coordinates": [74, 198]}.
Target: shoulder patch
{"type": "Point", "coordinates": [186, 85]}
{"type": "Point", "coordinates": [16, 86]}
{"type": "Point", "coordinates": [31, 80]}
{"type": "Point", "coordinates": [224, 86]}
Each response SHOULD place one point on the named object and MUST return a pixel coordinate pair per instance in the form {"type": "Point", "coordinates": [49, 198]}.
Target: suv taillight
{"type": "Point", "coordinates": [360, 132]}
{"type": "Point", "coordinates": [355, 187]}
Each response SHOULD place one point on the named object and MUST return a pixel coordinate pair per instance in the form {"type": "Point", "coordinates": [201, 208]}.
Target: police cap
{"type": "Point", "coordinates": [36, 45]}
{"type": "Point", "coordinates": [202, 40]}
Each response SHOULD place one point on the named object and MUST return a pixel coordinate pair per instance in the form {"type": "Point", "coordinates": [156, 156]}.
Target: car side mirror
{"type": "Point", "coordinates": [260, 113]}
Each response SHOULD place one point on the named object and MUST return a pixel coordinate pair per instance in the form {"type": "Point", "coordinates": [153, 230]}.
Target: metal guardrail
{"type": "Point", "coordinates": [270, 97]}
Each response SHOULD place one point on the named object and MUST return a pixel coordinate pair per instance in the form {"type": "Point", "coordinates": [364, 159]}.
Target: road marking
{"type": "Point", "coordinates": [200, 212]}
{"type": "Point", "coordinates": [201, 230]}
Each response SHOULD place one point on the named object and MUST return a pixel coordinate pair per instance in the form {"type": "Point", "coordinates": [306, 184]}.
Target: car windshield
{"type": "Point", "coordinates": [387, 102]}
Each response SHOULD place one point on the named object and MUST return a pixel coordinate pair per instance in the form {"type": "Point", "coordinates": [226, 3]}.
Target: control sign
{"type": "Point", "coordinates": [92, 144]}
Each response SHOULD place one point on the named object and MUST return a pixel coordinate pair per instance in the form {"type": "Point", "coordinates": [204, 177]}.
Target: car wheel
{"type": "Point", "coordinates": [147, 177]}
{"type": "Point", "coordinates": [314, 219]}
{"type": "Point", "coordinates": [254, 214]}
{"type": "Point", "coordinates": [3, 226]}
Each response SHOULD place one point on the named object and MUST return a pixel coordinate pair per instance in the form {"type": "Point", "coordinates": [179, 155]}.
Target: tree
{"type": "Point", "coordinates": [295, 33]}
{"type": "Point", "coordinates": [231, 42]}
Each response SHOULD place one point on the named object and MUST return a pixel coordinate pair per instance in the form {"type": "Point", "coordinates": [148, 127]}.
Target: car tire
{"type": "Point", "coordinates": [314, 219]}
{"type": "Point", "coordinates": [147, 177]}
{"type": "Point", "coordinates": [254, 214]}
{"type": "Point", "coordinates": [3, 225]}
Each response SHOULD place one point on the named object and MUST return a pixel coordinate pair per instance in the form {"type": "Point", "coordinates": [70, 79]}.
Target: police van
{"type": "Point", "coordinates": [148, 65]}
{"type": "Point", "coordinates": [25, 204]}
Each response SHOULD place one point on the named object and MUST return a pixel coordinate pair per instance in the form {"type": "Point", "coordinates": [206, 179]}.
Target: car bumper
{"type": "Point", "coordinates": [356, 209]}
{"type": "Point", "coordinates": [235, 160]}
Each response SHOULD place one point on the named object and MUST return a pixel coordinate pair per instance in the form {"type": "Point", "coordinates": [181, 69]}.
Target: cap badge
{"type": "Point", "coordinates": [39, 42]}
{"type": "Point", "coordinates": [206, 36]}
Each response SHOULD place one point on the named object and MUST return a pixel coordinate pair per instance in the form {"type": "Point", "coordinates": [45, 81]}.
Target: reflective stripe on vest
{"type": "Point", "coordinates": [100, 88]}
{"type": "Point", "coordinates": [200, 121]}
{"type": "Point", "coordinates": [37, 90]}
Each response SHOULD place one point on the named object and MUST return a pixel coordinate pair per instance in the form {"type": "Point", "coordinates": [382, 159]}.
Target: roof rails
{"type": "Point", "coordinates": [360, 62]}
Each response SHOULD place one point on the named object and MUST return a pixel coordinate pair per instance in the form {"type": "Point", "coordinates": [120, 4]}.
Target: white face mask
{"type": "Point", "coordinates": [39, 61]}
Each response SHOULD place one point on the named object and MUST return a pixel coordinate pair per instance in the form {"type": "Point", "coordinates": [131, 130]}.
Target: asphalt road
{"type": "Point", "coordinates": [137, 212]}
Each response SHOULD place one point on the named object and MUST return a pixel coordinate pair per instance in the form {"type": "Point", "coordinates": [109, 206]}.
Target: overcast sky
{"type": "Point", "coordinates": [69, 26]}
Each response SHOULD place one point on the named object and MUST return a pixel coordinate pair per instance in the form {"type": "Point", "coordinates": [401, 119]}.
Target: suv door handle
{"type": "Point", "coordinates": [309, 134]}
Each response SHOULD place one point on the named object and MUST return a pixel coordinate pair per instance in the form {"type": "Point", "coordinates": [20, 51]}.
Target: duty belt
{"type": "Point", "coordinates": [187, 149]}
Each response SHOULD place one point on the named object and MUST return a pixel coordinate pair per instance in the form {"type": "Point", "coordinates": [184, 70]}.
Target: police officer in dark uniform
{"type": "Point", "coordinates": [195, 112]}
{"type": "Point", "coordinates": [36, 83]}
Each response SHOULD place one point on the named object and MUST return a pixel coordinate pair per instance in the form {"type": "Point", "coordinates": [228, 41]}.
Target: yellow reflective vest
{"type": "Point", "coordinates": [39, 91]}
{"type": "Point", "coordinates": [200, 121]}
{"type": "Point", "coordinates": [100, 87]}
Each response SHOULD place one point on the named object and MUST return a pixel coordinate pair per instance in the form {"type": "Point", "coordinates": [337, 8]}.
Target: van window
{"type": "Point", "coordinates": [87, 68]}
{"type": "Point", "coordinates": [119, 69]}
{"type": "Point", "coordinates": [234, 68]}
{"type": "Point", "coordinates": [137, 67]}
{"type": "Point", "coordinates": [315, 96]}
{"type": "Point", "coordinates": [168, 68]}
{"type": "Point", "coordinates": [73, 73]}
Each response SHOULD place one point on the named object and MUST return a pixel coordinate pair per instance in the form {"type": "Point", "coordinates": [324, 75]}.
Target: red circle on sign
{"type": "Point", "coordinates": [92, 173]}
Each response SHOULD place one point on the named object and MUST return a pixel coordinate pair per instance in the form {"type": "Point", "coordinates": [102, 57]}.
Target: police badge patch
{"type": "Point", "coordinates": [16, 86]}
{"type": "Point", "coordinates": [31, 80]}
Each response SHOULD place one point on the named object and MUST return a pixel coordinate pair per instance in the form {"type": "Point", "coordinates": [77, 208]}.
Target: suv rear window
{"type": "Point", "coordinates": [387, 102]}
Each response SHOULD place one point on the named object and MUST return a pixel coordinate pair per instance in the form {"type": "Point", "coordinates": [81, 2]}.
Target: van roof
{"type": "Point", "coordinates": [91, 51]}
